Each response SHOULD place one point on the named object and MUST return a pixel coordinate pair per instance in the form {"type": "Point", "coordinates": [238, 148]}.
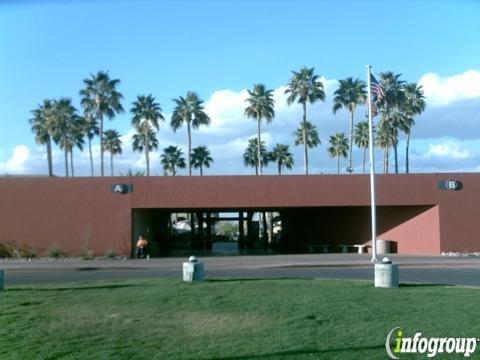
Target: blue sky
{"type": "Point", "coordinates": [220, 48]}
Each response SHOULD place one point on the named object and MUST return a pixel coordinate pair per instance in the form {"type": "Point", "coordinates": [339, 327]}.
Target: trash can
{"type": "Point", "coordinates": [384, 246]}
{"type": "Point", "coordinates": [386, 274]}
{"type": "Point", "coordinates": [193, 270]}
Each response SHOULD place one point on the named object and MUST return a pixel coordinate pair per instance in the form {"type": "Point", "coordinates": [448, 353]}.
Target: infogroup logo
{"type": "Point", "coordinates": [397, 343]}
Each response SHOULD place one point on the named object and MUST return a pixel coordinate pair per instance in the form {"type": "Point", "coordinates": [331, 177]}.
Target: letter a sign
{"type": "Point", "coordinates": [122, 188]}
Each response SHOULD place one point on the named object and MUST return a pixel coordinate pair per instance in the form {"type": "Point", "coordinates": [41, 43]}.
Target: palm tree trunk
{"type": "Point", "coordinates": [71, 161]}
{"type": "Point", "coordinates": [305, 150]}
{"type": "Point", "coordinates": [91, 157]}
{"type": "Point", "coordinates": [407, 164]}
{"type": "Point", "coordinates": [66, 162]}
{"type": "Point", "coordinates": [363, 159]}
{"type": "Point", "coordinates": [385, 169]}
{"type": "Point", "coordinates": [338, 165]}
{"type": "Point", "coordinates": [100, 117]}
{"type": "Point", "coordinates": [189, 149]}
{"type": "Point", "coordinates": [49, 156]}
{"type": "Point", "coordinates": [174, 171]}
{"type": "Point", "coordinates": [201, 170]}
{"type": "Point", "coordinates": [147, 150]}
{"type": "Point", "coordinates": [350, 144]}
{"type": "Point", "coordinates": [259, 145]}
{"type": "Point", "coordinates": [279, 168]}
{"type": "Point", "coordinates": [256, 168]}
{"type": "Point", "coordinates": [111, 163]}
{"type": "Point", "coordinates": [395, 152]}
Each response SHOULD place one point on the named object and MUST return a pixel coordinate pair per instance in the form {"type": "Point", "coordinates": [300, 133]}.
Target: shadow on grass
{"type": "Point", "coordinates": [257, 279]}
{"type": "Point", "coordinates": [78, 288]}
{"type": "Point", "coordinates": [422, 285]}
{"type": "Point", "coordinates": [294, 353]}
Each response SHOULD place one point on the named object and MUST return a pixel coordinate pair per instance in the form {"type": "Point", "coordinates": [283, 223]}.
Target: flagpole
{"type": "Point", "coordinates": [372, 169]}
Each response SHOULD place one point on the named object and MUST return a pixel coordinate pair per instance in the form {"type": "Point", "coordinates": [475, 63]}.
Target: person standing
{"type": "Point", "coordinates": [141, 247]}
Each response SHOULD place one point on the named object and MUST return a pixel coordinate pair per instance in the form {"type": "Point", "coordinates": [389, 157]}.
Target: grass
{"type": "Point", "coordinates": [225, 319]}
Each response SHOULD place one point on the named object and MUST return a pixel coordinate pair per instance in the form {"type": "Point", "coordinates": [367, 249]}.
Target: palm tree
{"type": "Point", "coordinates": [303, 87]}
{"type": "Point", "coordinates": [390, 108]}
{"type": "Point", "coordinates": [189, 111]}
{"type": "Point", "coordinates": [112, 144]}
{"type": "Point", "coordinates": [146, 114]}
{"type": "Point", "coordinates": [338, 148]}
{"type": "Point", "coordinates": [260, 106]}
{"type": "Point", "coordinates": [91, 130]}
{"type": "Point", "coordinates": [309, 132]}
{"type": "Point", "coordinates": [131, 173]}
{"type": "Point", "coordinates": [414, 104]}
{"type": "Point", "coordinates": [384, 139]}
{"type": "Point", "coordinates": [139, 140]}
{"type": "Point", "coordinates": [201, 158]}
{"type": "Point", "coordinates": [100, 96]}
{"type": "Point", "coordinates": [349, 94]}
{"type": "Point", "coordinates": [42, 128]}
{"type": "Point", "coordinates": [64, 116]}
{"type": "Point", "coordinates": [172, 159]}
{"type": "Point", "coordinates": [75, 138]}
{"type": "Point", "coordinates": [282, 156]}
{"type": "Point", "coordinates": [361, 138]}
{"type": "Point", "coordinates": [250, 156]}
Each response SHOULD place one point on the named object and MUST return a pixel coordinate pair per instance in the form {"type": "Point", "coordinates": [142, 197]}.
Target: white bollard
{"type": "Point", "coordinates": [1, 279]}
{"type": "Point", "coordinates": [193, 270]}
{"type": "Point", "coordinates": [386, 274]}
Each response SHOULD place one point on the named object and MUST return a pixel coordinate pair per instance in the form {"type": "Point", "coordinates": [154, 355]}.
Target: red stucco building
{"type": "Point", "coordinates": [79, 214]}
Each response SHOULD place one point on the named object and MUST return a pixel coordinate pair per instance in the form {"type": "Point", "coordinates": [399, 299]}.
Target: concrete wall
{"type": "Point", "coordinates": [82, 214]}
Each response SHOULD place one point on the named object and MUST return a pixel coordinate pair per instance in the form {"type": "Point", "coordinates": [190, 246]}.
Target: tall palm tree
{"type": "Point", "coordinates": [250, 156]}
{"type": "Point", "coordinates": [112, 144]}
{"type": "Point", "coordinates": [101, 97]}
{"type": "Point", "coordinates": [282, 156]}
{"type": "Point", "coordinates": [349, 94]}
{"type": "Point", "coordinates": [64, 116]}
{"type": "Point", "coordinates": [201, 158]}
{"type": "Point", "coordinates": [361, 138]}
{"type": "Point", "coordinates": [75, 138]}
{"type": "Point", "coordinates": [139, 140]}
{"type": "Point", "coordinates": [42, 128]}
{"type": "Point", "coordinates": [260, 106]}
{"type": "Point", "coordinates": [146, 114]}
{"type": "Point", "coordinates": [303, 87]}
{"type": "Point", "coordinates": [338, 148]}
{"type": "Point", "coordinates": [172, 159]}
{"type": "Point", "coordinates": [309, 132]}
{"type": "Point", "coordinates": [384, 138]}
{"type": "Point", "coordinates": [414, 104]}
{"type": "Point", "coordinates": [189, 111]}
{"type": "Point", "coordinates": [390, 108]}
{"type": "Point", "coordinates": [91, 130]}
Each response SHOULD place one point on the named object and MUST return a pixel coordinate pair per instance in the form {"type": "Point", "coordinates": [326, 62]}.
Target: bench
{"type": "Point", "coordinates": [360, 248]}
{"type": "Point", "coordinates": [313, 247]}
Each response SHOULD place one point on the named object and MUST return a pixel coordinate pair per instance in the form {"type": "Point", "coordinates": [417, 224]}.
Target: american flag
{"type": "Point", "coordinates": [376, 89]}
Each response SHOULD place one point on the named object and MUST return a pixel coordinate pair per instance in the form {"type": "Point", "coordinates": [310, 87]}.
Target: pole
{"type": "Point", "coordinates": [372, 170]}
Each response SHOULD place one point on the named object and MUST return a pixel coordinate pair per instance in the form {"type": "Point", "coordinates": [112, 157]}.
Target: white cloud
{"type": "Point", "coordinates": [449, 149]}
{"type": "Point", "coordinates": [17, 163]}
{"type": "Point", "coordinates": [445, 90]}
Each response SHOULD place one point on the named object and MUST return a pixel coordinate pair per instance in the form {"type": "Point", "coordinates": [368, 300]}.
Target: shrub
{"type": "Point", "coordinates": [87, 254]}
{"type": "Point", "coordinates": [55, 252]}
{"type": "Point", "coordinates": [110, 254]}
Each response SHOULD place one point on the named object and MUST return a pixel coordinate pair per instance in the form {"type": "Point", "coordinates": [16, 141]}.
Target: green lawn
{"type": "Point", "coordinates": [226, 319]}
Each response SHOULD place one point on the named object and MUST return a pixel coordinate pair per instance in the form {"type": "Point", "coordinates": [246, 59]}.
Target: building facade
{"type": "Point", "coordinates": [420, 213]}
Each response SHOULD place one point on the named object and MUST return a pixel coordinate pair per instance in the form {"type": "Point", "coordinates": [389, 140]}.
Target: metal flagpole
{"type": "Point", "coordinates": [372, 169]}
